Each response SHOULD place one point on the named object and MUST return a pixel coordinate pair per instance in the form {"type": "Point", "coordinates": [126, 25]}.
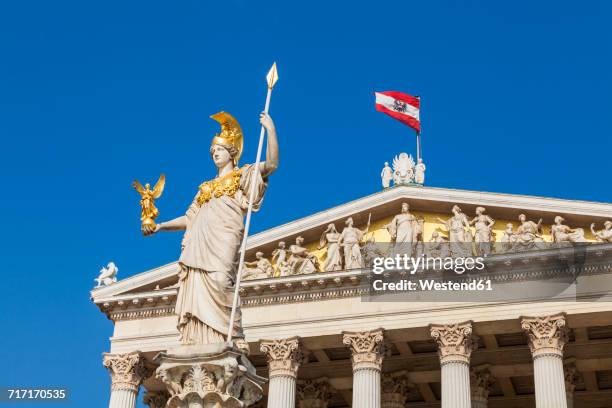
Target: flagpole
{"type": "Point", "coordinates": [418, 133]}
{"type": "Point", "coordinates": [271, 79]}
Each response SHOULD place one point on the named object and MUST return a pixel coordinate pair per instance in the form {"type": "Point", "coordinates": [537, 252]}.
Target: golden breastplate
{"type": "Point", "coordinates": [217, 187]}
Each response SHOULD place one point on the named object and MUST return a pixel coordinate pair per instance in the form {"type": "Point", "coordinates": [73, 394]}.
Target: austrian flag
{"type": "Point", "coordinates": [400, 106]}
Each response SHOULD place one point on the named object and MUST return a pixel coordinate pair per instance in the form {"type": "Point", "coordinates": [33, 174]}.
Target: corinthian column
{"type": "Point", "coordinates": [480, 383]}
{"type": "Point", "coordinates": [394, 389]}
{"type": "Point", "coordinates": [571, 376]}
{"type": "Point", "coordinates": [284, 359]}
{"type": "Point", "coordinates": [127, 372]}
{"type": "Point", "coordinates": [547, 336]}
{"type": "Point", "coordinates": [313, 393]}
{"type": "Point", "coordinates": [367, 352]}
{"type": "Point", "coordinates": [455, 345]}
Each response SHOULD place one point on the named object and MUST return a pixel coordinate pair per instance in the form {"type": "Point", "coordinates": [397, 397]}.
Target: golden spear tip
{"type": "Point", "coordinates": [272, 76]}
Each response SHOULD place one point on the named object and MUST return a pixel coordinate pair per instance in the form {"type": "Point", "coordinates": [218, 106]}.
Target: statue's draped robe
{"type": "Point", "coordinates": [351, 237]}
{"type": "Point", "coordinates": [403, 228]}
{"type": "Point", "coordinates": [209, 262]}
{"type": "Point", "coordinates": [333, 262]}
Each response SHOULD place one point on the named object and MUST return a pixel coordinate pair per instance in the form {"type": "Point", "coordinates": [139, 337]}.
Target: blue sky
{"type": "Point", "coordinates": [515, 98]}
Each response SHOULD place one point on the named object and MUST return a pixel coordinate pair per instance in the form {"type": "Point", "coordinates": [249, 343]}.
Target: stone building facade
{"type": "Point", "coordinates": [322, 342]}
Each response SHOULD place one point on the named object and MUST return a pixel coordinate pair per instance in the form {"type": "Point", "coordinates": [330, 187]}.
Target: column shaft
{"type": "Point", "coordinates": [281, 392]}
{"type": "Point", "coordinates": [366, 388]}
{"type": "Point", "coordinates": [456, 385]}
{"type": "Point", "coordinates": [549, 382]}
{"type": "Point", "coordinates": [122, 399]}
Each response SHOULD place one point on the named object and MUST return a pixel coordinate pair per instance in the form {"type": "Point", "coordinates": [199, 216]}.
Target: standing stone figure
{"type": "Point", "coordinates": [350, 240]}
{"type": "Point", "coordinates": [459, 233]}
{"type": "Point", "coordinates": [508, 239]}
{"type": "Point", "coordinates": [279, 255]}
{"type": "Point", "coordinates": [562, 233]}
{"type": "Point", "coordinates": [330, 237]}
{"type": "Point", "coordinates": [214, 225]}
{"type": "Point", "coordinates": [604, 235]}
{"type": "Point", "coordinates": [419, 172]}
{"type": "Point", "coordinates": [528, 235]}
{"type": "Point", "coordinates": [484, 229]}
{"type": "Point", "coordinates": [403, 230]}
{"type": "Point", "coordinates": [301, 260]}
{"type": "Point", "coordinates": [261, 268]}
{"type": "Point", "coordinates": [386, 175]}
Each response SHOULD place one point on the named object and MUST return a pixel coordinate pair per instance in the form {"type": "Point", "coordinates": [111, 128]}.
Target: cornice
{"type": "Point", "coordinates": [503, 268]}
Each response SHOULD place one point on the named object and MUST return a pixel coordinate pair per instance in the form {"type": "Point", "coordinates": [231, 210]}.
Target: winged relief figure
{"type": "Point", "coordinates": [147, 201]}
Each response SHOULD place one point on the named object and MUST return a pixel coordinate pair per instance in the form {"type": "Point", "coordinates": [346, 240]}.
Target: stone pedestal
{"type": "Point", "coordinates": [547, 337]}
{"type": "Point", "coordinates": [209, 376]}
{"type": "Point", "coordinates": [394, 389]}
{"type": "Point", "coordinates": [284, 359]}
{"type": "Point", "coordinates": [313, 393]}
{"type": "Point", "coordinates": [455, 345]}
{"type": "Point", "coordinates": [127, 372]}
{"type": "Point", "coordinates": [480, 384]}
{"type": "Point", "coordinates": [367, 353]}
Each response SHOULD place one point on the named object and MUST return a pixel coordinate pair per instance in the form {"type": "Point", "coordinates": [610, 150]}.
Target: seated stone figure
{"type": "Point", "coordinates": [604, 235]}
{"type": "Point", "coordinates": [301, 260]}
{"type": "Point", "coordinates": [562, 233]}
{"type": "Point", "coordinates": [259, 269]}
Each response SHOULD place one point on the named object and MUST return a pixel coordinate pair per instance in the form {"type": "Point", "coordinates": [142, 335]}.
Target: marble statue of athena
{"type": "Point", "coordinates": [214, 225]}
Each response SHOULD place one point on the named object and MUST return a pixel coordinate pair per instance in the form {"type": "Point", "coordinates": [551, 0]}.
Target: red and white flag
{"type": "Point", "coordinates": [400, 106]}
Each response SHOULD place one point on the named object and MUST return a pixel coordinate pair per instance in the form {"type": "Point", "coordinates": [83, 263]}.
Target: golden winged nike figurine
{"type": "Point", "coordinates": [147, 202]}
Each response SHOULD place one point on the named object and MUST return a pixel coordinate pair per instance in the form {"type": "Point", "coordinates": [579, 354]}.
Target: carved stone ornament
{"type": "Point", "coordinates": [284, 356]}
{"type": "Point", "coordinates": [571, 374]}
{"type": "Point", "coordinates": [127, 371]}
{"type": "Point", "coordinates": [455, 341]}
{"type": "Point", "coordinates": [156, 399]}
{"type": "Point", "coordinates": [367, 348]}
{"type": "Point", "coordinates": [394, 389]}
{"type": "Point", "coordinates": [481, 381]}
{"type": "Point", "coordinates": [314, 393]}
{"type": "Point", "coordinates": [211, 375]}
{"type": "Point", "coordinates": [547, 334]}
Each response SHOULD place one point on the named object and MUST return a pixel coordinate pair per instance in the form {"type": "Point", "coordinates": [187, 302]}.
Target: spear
{"type": "Point", "coordinates": [271, 78]}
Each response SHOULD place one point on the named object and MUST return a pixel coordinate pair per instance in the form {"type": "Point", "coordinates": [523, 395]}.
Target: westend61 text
{"type": "Point", "coordinates": [408, 263]}
{"type": "Point", "coordinates": [432, 285]}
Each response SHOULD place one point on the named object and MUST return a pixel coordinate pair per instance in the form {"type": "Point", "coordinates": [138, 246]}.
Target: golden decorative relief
{"type": "Point", "coordinates": [220, 186]}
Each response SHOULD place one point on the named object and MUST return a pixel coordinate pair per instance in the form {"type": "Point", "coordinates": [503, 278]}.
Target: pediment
{"type": "Point", "coordinates": [429, 202]}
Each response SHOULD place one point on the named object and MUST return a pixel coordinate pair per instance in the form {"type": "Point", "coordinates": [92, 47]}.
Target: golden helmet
{"type": "Point", "coordinates": [231, 134]}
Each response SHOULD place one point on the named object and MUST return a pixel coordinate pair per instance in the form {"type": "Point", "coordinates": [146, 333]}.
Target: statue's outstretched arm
{"type": "Point", "coordinates": [176, 224]}
{"type": "Point", "coordinates": [271, 163]}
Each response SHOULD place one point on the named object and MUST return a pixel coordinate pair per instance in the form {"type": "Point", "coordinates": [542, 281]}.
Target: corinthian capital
{"type": "Point", "coordinates": [127, 371]}
{"type": "Point", "coordinates": [367, 348]}
{"type": "Point", "coordinates": [547, 334]}
{"type": "Point", "coordinates": [394, 389]}
{"type": "Point", "coordinates": [571, 374]}
{"type": "Point", "coordinates": [314, 393]}
{"type": "Point", "coordinates": [455, 341]}
{"type": "Point", "coordinates": [481, 381]}
{"type": "Point", "coordinates": [284, 356]}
